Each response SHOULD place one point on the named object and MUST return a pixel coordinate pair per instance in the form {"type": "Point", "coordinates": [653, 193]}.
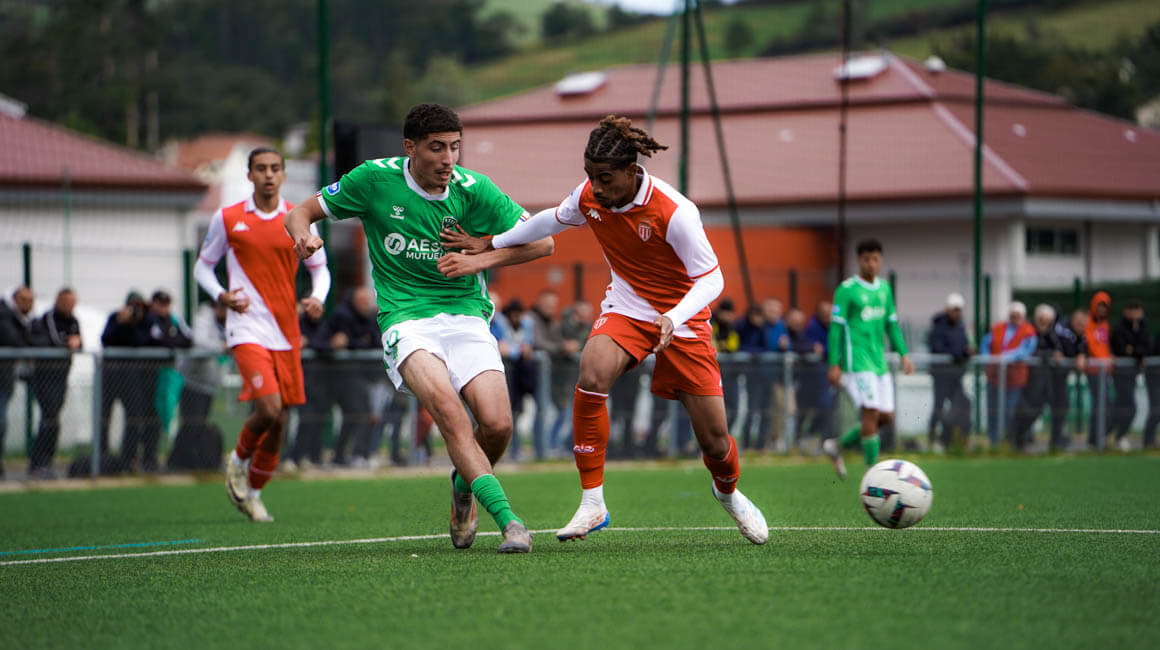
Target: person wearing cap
{"type": "Point", "coordinates": [122, 378]}
{"type": "Point", "coordinates": [952, 407]}
{"type": "Point", "coordinates": [160, 386]}
{"type": "Point", "coordinates": [1013, 341]}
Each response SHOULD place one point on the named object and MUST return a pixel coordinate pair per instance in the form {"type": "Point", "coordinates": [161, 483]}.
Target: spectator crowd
{"type": "Point", "coordinates": [1051, 362]}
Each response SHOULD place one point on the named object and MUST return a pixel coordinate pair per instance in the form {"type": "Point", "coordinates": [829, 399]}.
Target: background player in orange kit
{"type": "Point", "coordinates": [664, 275]}
{"type": "Point", "coordinates": [262, 324]}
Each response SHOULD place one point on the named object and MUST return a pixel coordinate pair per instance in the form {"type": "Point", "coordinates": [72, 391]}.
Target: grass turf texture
{"type": "Point", "coordinates": [869, 587]}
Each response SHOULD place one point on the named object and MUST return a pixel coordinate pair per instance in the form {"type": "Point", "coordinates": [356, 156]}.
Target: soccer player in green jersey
{"type": "Point", "coordinates": [863, 313]}
{"type": "Point", "coordinates": [436, 340]}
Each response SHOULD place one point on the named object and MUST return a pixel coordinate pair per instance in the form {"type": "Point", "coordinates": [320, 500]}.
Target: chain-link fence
{"type": "Point", "coordinates": [125, 411]}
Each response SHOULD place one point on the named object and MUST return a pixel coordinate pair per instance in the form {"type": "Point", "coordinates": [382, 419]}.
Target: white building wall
{"type": "Point", "coordinates": [105, 251]}
{"type": "Point", "coordinates": [931, 260]}
{"type": "Point", "coordinates": [1119, 251]}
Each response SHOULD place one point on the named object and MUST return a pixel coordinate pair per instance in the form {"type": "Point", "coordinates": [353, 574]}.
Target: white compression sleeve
{"type": "Point", "coordinates": [704, 290]}
{"type": "Point", "coordinates": [319, 281]}
{"type": "Point", "coordinates": [542, 224]}
{"type": "Point", "coordinates": [203, 273]}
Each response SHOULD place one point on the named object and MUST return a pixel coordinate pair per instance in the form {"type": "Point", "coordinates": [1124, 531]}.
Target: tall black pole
{"type": "Point", "coordinates": [730, 197]}
{"type": "Point", "coordinates": [683, 165]}
{"type": "Point", "coordinates": [843, 115]}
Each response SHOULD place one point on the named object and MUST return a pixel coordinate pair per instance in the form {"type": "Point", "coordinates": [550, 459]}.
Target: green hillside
{"type": "Point", "coordinates": [1095, 24]}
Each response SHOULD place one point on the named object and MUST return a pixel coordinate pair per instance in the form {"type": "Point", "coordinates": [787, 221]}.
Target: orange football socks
{"type": "Point", "coordinates": [247, 443]}
{"type": "Point", "coordinates": [725, 471]}
{"type": "Point", "coordinates": [262, 467]}
{"type": "Point", "coordinates": [590, 436]}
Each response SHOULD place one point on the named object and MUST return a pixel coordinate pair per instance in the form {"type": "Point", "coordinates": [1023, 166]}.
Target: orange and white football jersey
{"type": "Point", "coordinates": [656, 247]}
{"type": "Point", "coordinates": [260, 260]}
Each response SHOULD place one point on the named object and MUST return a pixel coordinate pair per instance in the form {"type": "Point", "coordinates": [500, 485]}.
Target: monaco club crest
{"type": "Point", "coordinates": [645, 231]}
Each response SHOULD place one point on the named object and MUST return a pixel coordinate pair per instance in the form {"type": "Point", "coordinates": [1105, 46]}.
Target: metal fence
{"type": "Point", "coordinates": [150, 410]}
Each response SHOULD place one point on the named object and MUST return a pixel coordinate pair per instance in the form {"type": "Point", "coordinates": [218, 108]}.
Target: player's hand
{"type": "Point", "coordinates": [834, 376]}
{"type": "Point", "coordinates": [456, 265]}
{"type": "Point", "coordinates": [235, 300]}
{"type": "Point", "coordinates": [339, 341]}
{"type": "Point", "coordinates": [465, 243]}
{"type": "Point", "coordinates": [313, 307]}
{"type": "Point", "coordinates": [666, 326]}
{"type": "Point", "coordinates": [307, 245]}
{"type": "Point", "coordinates": [907, 366]}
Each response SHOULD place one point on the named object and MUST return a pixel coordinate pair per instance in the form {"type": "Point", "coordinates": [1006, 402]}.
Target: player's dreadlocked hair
{"type": "Point", "coordinates": [425, 119]}
{"type": "Point", "coordinates": [616, 141]}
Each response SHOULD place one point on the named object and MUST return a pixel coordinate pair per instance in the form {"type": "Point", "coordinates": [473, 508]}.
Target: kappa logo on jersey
{"type": "Point", "coordinates": [396, 212]}
{"type": "Point", "coordinates": [644, 230]}
{"type": "Point", "coordinates": [333, 188]}
{"type": "Point", "coordinates": [240, 227]}
{"type": "Point", "coordinates": [599, 322]}
{"type": "Point", "coordinates": [594, 214]}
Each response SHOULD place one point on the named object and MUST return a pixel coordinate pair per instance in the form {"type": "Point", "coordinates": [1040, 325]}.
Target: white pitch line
{"type": "Point", "coordinates": [655, 529]}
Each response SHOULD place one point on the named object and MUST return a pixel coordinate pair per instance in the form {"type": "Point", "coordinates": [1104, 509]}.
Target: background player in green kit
{"type": "Point", "coordinates": [436, 340]}
{"type": "Point", "coordinates": [863, 313]}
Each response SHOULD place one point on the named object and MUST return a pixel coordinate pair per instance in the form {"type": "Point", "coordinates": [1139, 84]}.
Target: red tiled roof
{"type": "Point", "coordinates": [911, 135]}
{"type": "Point", "coordinates": [35, 153]}
{"type": "Point", "coordinates": [214, 147]}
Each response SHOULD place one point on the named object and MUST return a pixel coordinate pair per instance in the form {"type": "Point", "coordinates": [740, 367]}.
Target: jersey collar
{"type": "Point", "coordinates": [868, 285]}
{"type": "Point", "coordinates": [642, 195]}
{"type": "Point", "coordinates": [420, 191]}
{"type": "Point", "coordinates": [253, 207]}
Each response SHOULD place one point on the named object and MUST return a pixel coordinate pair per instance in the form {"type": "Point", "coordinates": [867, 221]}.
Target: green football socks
{"type": "Point", "coordinates": [461, 486]}
{"type": "Point", "coordinates": [851, 437]}
{"type": "Point", "coordinates": [491, 496]}
{"type": "Point", "coordinates": [870, 450]}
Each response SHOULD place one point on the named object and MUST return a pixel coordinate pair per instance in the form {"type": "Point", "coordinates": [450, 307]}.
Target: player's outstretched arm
{"type": "Point", "coordinates": [454, 265]}
{"type": "Point", "coordinates": [297, 223]}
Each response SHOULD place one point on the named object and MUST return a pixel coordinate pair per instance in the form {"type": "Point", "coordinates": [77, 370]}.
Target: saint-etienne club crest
{"type": "Point", "coordinates": [644, 230]}
{"type": "Point", "coordinates": [449, 223]}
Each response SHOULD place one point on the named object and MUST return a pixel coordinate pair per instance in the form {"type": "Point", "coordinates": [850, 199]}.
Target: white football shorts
{"type": "Point", "coordinates": [464, 343]}
{"type": "Point", "coordinates": [870, 391]}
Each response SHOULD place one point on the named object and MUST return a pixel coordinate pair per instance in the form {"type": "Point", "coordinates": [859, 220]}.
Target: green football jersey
{"type": "Point", "coordinates": [863, 314]}
{"type": "Point", "coordinates": [402, 224]}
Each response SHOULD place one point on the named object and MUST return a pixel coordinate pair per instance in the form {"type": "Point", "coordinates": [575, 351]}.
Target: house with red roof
{"type": "Point", "coordinates": [1067, 192]}
{"type": "Point", "coordinates": [98, 217]}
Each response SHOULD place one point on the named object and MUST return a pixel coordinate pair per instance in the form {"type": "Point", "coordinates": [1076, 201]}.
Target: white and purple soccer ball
{"type": "Point", "coordinates": [896, 493]}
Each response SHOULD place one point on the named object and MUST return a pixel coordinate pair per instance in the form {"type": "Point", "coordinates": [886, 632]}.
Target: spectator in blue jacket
{"type": "Point", "coordinates": [952, 407]}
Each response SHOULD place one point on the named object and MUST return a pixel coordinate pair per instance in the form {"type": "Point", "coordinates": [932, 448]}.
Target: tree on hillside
{"type": "Point", "coordinates": [563, 20]}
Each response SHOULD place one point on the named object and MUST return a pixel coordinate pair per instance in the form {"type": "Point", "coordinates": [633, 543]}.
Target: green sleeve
{"type": "Point", "coordinates": [838, 326]}
{"type": "Point", "coordinates": [893, 332]}
{"type": "Point", "coordinates": [493, 212]}
{"type": "Point", "coordinates": [346, 198]}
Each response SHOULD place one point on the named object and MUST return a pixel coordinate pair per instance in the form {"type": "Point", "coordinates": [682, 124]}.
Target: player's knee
{"type": "Point", "coordinates": [498, 425]}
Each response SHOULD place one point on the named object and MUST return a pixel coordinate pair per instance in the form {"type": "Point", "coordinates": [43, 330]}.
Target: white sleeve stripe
{"type": "Point", "coordinates": [839, 320]}
{"type": "Point", "coordinates": [325, 208]}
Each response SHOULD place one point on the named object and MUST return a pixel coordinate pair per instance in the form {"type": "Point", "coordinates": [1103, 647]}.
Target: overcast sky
{"type": "Point", "coordinates": [664, 7]}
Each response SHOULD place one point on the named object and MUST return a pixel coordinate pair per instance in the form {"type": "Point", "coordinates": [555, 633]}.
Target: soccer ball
{"type": "Point", "coordinates": [896, 493]}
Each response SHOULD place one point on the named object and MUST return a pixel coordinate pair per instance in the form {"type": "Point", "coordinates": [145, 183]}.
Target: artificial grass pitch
{"type": "Point", "coordinates": [838, 581]}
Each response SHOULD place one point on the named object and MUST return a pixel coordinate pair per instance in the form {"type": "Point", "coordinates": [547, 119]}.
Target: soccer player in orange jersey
{"type": "Point", "coordinates": [262, 324]}
{"type": "Point", "coordinates": [664, 275]}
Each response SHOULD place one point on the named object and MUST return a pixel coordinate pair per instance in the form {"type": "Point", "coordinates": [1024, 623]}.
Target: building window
{"type": "Point", "coordinates": [1052, 241]}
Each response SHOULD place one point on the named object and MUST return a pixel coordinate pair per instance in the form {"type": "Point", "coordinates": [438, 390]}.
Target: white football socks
{"type": "Point", "coordinates": [593, 496]}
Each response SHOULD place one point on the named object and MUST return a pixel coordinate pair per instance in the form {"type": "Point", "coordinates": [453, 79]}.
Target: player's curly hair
{"type": "Point", "coordinates": [616, 141]}
{"type": "Point", "coordinates": [425, 119]}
